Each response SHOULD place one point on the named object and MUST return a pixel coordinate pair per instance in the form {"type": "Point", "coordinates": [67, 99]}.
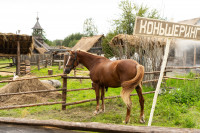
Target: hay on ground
{"type": "Point", "coordinates": [24, 86]}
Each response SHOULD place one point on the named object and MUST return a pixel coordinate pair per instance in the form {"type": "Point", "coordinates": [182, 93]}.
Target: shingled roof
{"type": "Point", "coordinates": [37, 25]}
{"type": "Point", "coordinates": [41, 47]}
{"type": "Point", "coordinates": [86, 43]}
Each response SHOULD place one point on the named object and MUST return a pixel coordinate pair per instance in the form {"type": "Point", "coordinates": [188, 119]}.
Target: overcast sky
{"type": "Point", "coordinates": [60, 18]}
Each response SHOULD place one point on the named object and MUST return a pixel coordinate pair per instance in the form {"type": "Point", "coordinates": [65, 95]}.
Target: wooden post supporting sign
{"type": "Point", "coordinates": [159, 80]}
{"type": "Point", "coordinates": [159, 28]}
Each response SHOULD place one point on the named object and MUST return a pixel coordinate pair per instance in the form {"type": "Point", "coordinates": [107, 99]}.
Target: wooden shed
{"type": "Point", "coordinates": [148, 51]}
{"type": "Point", "coordinates": [186, 52]}
{"type": "Point", "coordinates": [90, 44]}
{"type": "Point", "coordinates": [14, 45]}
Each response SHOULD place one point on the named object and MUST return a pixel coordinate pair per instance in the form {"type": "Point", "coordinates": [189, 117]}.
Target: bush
{"type": "Point", "coordinates": [189, 123]}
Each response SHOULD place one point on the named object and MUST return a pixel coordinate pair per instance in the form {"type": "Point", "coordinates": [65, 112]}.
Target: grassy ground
{"type": "Point", "coordinates": [178, 107]}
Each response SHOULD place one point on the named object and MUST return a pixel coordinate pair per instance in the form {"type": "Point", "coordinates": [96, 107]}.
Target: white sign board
{"type": "Point", "coordinates": [152, 27]}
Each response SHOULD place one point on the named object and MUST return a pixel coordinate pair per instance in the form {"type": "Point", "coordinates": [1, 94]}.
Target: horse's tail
{"type": "Point", "coordinates": [128, 86]}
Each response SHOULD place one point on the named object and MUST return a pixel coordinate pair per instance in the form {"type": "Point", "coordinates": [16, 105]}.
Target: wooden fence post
{"type": "Point", "coordinates": [46, 63]}
{"type": "Point", "coordinates": [38, 62]}
{"type": "Point", "coordinates": [59, 65]}
{"type": "Point", "coordinates": [18, 58]}
{"type": "Point", "coordinates": [64, 92]}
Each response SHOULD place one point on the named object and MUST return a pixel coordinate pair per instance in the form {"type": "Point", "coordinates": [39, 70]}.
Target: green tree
{"type": "Point", "coordinates": [57, 42]}
{"type": "Point", "coordinates": [107, 49]}
{"type": "Point", "coordinates": [89, 29]}
{"type": "Point", "coordinates": [72, 39]}
{"type": "Point", "coordinates": [126, 21]}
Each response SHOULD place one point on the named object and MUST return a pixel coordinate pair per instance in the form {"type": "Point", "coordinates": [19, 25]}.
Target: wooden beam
{"type": "Point", "coordinates": [95, 126]}
{"type": "Point", "coordinates": [195, 49]}
{"type": "Point", "coordinates": [111, 97]}
{"type": "Point", "coordinates": [30, 105]}
{"type": "Point", "coordinates": [160, 80]}
{"type": "Point", "coordinates": [18, 58]}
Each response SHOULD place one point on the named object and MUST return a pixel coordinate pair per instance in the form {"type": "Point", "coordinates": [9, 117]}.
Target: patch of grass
{"type": "Point", "coordinates": [179, 107]}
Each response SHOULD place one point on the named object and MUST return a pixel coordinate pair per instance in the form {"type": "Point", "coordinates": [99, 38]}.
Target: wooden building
{"type": "Point", "coordinates": [14, 45]}
{"type": "Point", "coordinates": [185, 52]}
{"type": "Point", "coordinates": [40, 47]}
{"type": "Point", "coordinates": [148, 51]}
{"type": "Point", "coordinates": [91, 44]}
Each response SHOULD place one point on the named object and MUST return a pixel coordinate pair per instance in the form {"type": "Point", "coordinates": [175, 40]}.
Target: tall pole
{"type": "Point", "coordinates": [159, 80]}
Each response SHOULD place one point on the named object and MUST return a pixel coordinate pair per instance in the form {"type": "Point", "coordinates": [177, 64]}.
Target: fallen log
{"type": "Point", "coordinates": [95, 126]}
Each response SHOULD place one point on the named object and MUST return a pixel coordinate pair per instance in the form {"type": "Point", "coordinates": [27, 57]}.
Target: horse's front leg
{"type": "Point", "coordinates": [102, 99]}
{"type": "Point", "coordinates": [97, 98]}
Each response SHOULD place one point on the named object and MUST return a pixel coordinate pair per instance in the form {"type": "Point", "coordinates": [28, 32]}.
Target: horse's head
{"type": "Point", "coordinates": [72, 61]}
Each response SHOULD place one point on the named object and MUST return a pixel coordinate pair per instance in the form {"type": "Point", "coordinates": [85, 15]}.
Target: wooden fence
{"type": "Point", "coordinates": [64, 91]}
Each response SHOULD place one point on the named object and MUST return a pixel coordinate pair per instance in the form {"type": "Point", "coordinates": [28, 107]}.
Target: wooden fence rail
{"type": "Point", "coordinates": [64, 90]}
{"type": "Point", "coordinates": [181, 67]}
{"type": "Point", "coordinates": [111, 97]}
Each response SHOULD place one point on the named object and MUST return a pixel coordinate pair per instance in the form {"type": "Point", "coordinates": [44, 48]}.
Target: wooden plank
{"type": "Point", "coordinates": [181, 67]}
{"type": "Point", "coordinates": [178, 78]}
{"type": "Point", "coordinates": [95, 126]}
{"type": "Point", "coordinates": [30, 105]}
{"type": "Point", "coordinates": [154, 72]}
{"type": "Point", "coordinates": [29, 92]}
{"type": "Point", "coordinates": [111, 97]}
{"type": "Point", "coordinates": [6, 81]}
{"type": "Point", "coordinates": [160, 28]}
{"type": "Point", "coordinates": [64, 93]}
{"type": "Point", "coordinates": [160, 80]}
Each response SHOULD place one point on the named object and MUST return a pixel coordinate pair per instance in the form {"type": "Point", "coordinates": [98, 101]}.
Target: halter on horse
{"type": "Point", "coordinates": [106, 73]}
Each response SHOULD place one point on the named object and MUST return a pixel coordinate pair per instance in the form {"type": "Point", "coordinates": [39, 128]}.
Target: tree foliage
{"type": "Point", "coordinates": [126, 21]}
{"type": "Point", "coordinates": [108, 51]}
{"type": "Point", "coordinates": [72, 39]}
{"type": "Point", "coordinates": [57, 42]}
{"type": "Point", "coordinates": [89, 29]}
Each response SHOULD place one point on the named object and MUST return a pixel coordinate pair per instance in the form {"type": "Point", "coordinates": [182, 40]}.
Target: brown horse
{"type": "Point", "coordinates": [106, 73]}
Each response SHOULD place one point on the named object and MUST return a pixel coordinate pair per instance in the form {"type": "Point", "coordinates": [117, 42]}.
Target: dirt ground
{"type": "Point", "coordinates": [11, 128]}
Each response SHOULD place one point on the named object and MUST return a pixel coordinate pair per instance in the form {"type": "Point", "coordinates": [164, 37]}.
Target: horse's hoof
{"type": "Point", "coordinates": [142, 121]}
{"type": "Point", "coordinates": [126, 122]}
{"type": "Point", "coordinates": [96, 112]}
{"type": "Point", "coordinates": [101, 111]}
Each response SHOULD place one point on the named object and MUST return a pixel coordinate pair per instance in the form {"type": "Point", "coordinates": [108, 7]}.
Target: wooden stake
{"type": "Point", "coordinates": [18, 58]}
{"type": "Point", "coordinates": [59, 65]}
{"type": "Point", "coordinates": [64, 93]}
{"type": "Point", "coordinates": [159, 80]}
{"type": "Point", "coordinates": [195, 49]}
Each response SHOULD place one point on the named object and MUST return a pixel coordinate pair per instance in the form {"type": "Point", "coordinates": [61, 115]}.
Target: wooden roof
{"type": "Point", "coordinates": [86, 43]}
{"type": "Point", "coordinates": [193, 21]}
{"type": "Point", "coordinates": [37, 25]}
{"type": "Point", "coordinates": [8, 44]}
{"type": "Point", "coordinates": [121, 39]}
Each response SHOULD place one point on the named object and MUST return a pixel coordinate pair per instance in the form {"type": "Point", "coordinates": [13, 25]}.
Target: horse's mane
{"type": "Point", "coordinates": [91, 54]}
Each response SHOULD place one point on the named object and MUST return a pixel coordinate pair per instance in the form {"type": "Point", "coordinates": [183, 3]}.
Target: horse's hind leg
{"type": "Point", "coordinates": [128, 115]}
{"type": "Point", "coordinates": [141, 100]}
{"type": "Point", "coordinates": [97, 98]}
{"type": "Point", "coordinates": [102, 99]}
